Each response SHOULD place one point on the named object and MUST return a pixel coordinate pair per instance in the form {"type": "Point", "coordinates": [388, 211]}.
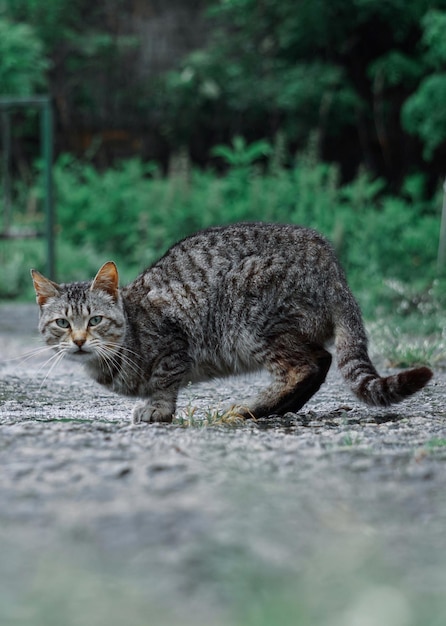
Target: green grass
{"type": "Point", "coordinates": [350, 440]}
{"type": "Point", "coordinates": [131, 214]}
{"type": "Point", "coordinates": [436, 442]}
{"type": "Point", "coordinates": [410, 345]}
{"type": "Point", "coordinates": [191, 417]}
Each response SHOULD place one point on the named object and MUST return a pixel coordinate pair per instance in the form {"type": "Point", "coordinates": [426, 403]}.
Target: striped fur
{"type": "Point", "coordinates": [226, 300]}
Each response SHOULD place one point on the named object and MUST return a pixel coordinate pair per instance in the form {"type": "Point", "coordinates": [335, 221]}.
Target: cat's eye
{"type": "Point", "coordinates": [95, 320]}
{"type": "Point", "coordinates": [63, 323]}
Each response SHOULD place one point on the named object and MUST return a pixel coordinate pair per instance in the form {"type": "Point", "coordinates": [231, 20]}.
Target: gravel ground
{"type": "Point", "coordinates": [334, 516]}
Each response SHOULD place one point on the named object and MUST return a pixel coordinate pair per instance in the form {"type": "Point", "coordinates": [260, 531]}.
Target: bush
{"type": "Point", "coordinates": [131, 214]}
{"type": "Point", "coordinates": [22, 61]}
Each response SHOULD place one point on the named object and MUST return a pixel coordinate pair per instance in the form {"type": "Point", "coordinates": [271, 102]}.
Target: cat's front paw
{"type": "Point", "coordinates": [148, 413]}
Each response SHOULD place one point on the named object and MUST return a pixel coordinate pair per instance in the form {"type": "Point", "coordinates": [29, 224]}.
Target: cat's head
{"type": "Point", "coordinates": [85, 320]}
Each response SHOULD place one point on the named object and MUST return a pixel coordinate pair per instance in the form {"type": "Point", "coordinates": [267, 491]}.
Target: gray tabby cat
{"type": "Point", "coordinates": [226, 300]}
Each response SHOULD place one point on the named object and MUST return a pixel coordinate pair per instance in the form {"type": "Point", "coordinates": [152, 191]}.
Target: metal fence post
{"type": "Point", "coordinates": [47, 157]}
{"type": "Point", "coordinates": [441, 258]}
{"type": "Point", "coordinates": [6, 132]}
{"type": "Point", "coordinates": [43, 103]}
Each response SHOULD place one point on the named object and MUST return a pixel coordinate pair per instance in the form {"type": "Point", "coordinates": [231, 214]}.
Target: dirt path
{"type": "Point", "coordinates": [336, 515]}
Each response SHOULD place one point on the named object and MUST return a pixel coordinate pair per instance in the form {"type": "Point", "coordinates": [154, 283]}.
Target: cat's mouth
{"type": "Point", "coordinates": [80, 353]}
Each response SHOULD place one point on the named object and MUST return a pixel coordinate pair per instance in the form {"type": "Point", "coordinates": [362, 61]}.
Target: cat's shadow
{"type": "Point", "coordinates": [329, 419]}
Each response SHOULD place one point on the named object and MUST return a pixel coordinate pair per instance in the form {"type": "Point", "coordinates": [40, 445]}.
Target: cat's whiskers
{"type": "Point", "coordinates": [107, 358]}
{"type": "Point", "coordinates": [125, 349]}
{"type": "Point", "coordinates": [118, 355]}
{"type": "Point", "coordinates": [116, 359]}
{"type": "Point", "coordinates": [115, 365]}
{"type": "Point", "coordinates": [54, 360]}
{"type": "Point", "coordinates": [22, 358]}
{"type": "Point", "coordinates": [131, 363]}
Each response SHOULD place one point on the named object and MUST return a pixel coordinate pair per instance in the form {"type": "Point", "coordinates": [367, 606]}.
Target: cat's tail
{"type": "Point", "coordinates": [360, 374]}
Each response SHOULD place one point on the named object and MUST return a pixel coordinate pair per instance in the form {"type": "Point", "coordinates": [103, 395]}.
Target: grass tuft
{"type": "Point", "coordinates": [436, 442]}
{"type": "Point", "coordinates": [190, 418]}
{"type": "Point", "coordinates": [405, 348]}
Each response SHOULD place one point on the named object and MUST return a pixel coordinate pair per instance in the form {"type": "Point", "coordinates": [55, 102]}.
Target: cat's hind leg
{"type": "Point", "coordinates": [297, 376]}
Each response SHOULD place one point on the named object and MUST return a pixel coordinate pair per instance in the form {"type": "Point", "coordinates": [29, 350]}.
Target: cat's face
{"type": "Point", "coordinates": [84, 321]}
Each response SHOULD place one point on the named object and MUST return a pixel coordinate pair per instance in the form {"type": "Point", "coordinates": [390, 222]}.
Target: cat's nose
{"type": "Point", "coordinates": [79, 341]}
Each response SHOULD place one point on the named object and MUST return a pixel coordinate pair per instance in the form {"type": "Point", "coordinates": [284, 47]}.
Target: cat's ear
{"type": "Point", "coordinates": [107, 279]}
{"type": "Point", "coordinates": [44, 287]}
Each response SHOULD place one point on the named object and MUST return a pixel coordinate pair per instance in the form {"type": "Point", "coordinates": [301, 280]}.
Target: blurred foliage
{"type": "Point", "coordinates": [342, 69]}
{"type": "Point", "coordinates": [342, 84]}
{"type": "Point", "coordinates": [85, 55]}
{"type": "Point", "coordinates": [22, 60]}
{"type": "Point", "coordinates": [132, 214]}
{"type": "Point", "coordinates": [366, 77]}
{"type": "Point", "coordinates": [423, 112]}
{"type": "Point", "coordinates": [260, 72]}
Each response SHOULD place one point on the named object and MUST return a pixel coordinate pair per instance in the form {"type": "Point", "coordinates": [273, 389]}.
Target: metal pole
{"type": "Point", "coordinates": [6, 174]}
{"type": "Point", "coordinates": [441, 258]}
{"type": "Point", "coordinates": [46, 130]}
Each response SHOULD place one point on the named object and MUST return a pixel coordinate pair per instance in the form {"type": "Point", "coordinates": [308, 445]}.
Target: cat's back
{"type": "Point", "coordinates": [254, 256]}
{"type": "Point", "coordinates": [225, 246]}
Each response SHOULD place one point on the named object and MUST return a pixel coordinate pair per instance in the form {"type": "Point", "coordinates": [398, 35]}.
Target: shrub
{"type": "Point", "coordinates": [131, 214]}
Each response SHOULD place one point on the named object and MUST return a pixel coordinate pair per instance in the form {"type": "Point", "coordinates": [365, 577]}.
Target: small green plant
{"type": "Point", "coordinates": [416, 351]}
{"type": "Point", "coordinates": [436, 442]}
{"type": "Point", "coordinates": [242, 154]}
{"type": "Point", "coordinates": [212, 417]}
{"type": "Point", "coordinates": [403, 348]}
{"type": "Point", "coordinates": [350, 439]}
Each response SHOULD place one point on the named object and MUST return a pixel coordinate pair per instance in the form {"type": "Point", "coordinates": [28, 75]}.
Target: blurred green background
{"type": "Point", "coordinates": [173, 116]}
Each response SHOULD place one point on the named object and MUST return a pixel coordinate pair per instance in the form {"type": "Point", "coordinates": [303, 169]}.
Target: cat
{"type": "Point", "coordinates": [226, 300]}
